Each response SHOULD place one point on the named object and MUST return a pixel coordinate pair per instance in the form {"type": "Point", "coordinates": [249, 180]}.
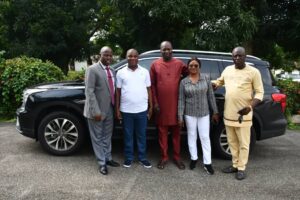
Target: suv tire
{"type": "Point", "coordinates": [61, 133]}
{"type": "Point", "coordinates": [219, 141]}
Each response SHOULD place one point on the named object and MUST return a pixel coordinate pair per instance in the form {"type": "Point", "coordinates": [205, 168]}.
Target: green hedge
{"type": "Point", "coordinates": [19, 73]}
{"type": "Point", "coordinates": [292, 90]}
{"type": "Point", "coordinates": [75, 75]}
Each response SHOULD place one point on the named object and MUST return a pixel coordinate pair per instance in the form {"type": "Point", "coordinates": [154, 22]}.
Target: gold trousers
{"type": "Point", "coordinates": [239, 141]}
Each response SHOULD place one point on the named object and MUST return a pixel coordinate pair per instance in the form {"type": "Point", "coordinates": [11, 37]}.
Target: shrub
{"type": "Point", "coordinates": [75, 75]}
{"type": "Point", "coordinates": [292, 90]}
{"type": "Point", "coordinates": [22, 72]}
{"type": "Point", "coordinates": [2, 61]}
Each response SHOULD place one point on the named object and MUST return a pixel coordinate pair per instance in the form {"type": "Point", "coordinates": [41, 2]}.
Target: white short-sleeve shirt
{"type": "Point", "coordinates": [133, 84]}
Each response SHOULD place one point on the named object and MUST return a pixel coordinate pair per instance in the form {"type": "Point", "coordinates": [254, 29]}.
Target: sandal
{"type": "Point", "coordinates": [179, 164]}
{"type": "Point", "coordinates": [161, 164]}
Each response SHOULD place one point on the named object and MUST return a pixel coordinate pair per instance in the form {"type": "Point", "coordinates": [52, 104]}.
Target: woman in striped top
{"type": "Point", "coordinates": [196, 96]}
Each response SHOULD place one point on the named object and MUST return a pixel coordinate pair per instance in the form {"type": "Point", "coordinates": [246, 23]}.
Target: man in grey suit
{"type": "Point", "coordinates": [98, 108]}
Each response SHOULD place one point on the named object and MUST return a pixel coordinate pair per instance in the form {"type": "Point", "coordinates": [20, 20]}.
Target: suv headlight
{"type": "Point", "coordinates": [27, 93]}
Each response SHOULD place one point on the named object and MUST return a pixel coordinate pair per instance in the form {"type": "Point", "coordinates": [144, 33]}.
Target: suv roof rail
{"type": "Point", "coordinates": [196, 51]}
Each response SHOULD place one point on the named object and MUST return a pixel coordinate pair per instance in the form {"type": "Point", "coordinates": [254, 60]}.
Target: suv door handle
{"type": "Point", "coordinates": [220, 98]}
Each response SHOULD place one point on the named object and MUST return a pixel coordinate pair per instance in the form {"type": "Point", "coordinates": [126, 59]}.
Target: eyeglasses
{"type": "Point", "coordinates": [196, 66]}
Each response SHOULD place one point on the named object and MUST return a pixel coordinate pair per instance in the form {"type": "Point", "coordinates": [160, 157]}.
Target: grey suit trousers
{"type": "Point", "coordinates": [101, 132]}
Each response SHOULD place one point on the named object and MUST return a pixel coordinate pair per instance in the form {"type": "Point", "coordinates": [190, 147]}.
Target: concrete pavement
{"type": "Point", "coordinates": [27, 172]}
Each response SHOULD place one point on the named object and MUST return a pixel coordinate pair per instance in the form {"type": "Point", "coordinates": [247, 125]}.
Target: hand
{"type": "Point", "coordinates": [98, 118]}
{"type": "Point", "coordinates": [244, 111]}
{"type": "Point", "coordinates": [180, 123]}
{"type": "Point", "coordinates": [149, 115]}
{"type": "Point", "coordinates": [215, 118]}
{"type": "Point", "coordinates": [214, 86]}
{"type": "Point", "coordinates": [118, 115]}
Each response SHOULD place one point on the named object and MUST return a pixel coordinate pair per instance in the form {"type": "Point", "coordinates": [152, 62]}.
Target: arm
{"type": "Point", "coordinates": [185, 71]}
{"type": "Point", "coordinates": [219, 82]}
{"type": "Point", "coordinates": [150, 102]}
{"type": "Point", "coordinates": [181, 104]}
{"type": "Point", "coordinates": [258, 89]}
{"type": "Point", "coordinates": [148, 85]}
{"type": "Point", "coordinates": [153, 88]}
{"type": "Point", "coordinates": [118, 96]}
{"type": "Point", "coordinates": [212, 101]}
{"type": "Point", "coordinates": [258, 96]}
{"type": "Point", "coordinates": [90, 83]}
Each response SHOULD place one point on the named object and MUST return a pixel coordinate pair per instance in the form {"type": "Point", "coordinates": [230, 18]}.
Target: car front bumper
{"type": "Point", "coordinates": [24, 123]}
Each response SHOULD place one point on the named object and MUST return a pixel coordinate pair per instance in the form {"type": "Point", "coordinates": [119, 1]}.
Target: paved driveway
{"type": "Point", "coordinates": [27, 172]}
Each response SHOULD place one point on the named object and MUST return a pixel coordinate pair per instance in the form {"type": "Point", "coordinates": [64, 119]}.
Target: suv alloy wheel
{"type": "Point", "coordinates": [60, 133]}
{"type": "Point", "coordinates": [220, 143]}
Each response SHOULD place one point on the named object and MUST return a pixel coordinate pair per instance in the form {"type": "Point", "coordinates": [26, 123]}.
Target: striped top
{"type": "Point", "coordinates": [195, 99]}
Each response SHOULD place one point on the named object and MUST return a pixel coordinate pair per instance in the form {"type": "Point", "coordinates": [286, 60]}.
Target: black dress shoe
{"type": "Point", "coordinates": [113, 163]}
{"type": "Point", "coordinates": [193, 164]}
{"type": "Point", "coordinates": [229, 169]}
{"type": "Point", "coordinates": [240, 175]}
{"type": "Point", "coordinates": [103, 170]}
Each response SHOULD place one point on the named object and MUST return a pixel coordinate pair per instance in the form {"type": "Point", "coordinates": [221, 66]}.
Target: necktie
{"type": "Point", "coordinates": [111, 85]}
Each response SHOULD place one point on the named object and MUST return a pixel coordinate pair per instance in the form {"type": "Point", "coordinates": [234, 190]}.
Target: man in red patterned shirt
{"type": "Point", "coordinates": [166, 73]}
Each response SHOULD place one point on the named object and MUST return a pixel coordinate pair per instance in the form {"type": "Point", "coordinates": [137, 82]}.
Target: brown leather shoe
{"type": "Point", "coordinates": [179, 164]}
{"type": "Point", "coordinates": [162, 164]}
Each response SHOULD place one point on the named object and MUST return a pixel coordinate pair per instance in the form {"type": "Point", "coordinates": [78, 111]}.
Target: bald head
{"type": "Point", "coordinates": [166, 43]}
{"type": "Point", "coordinates": [240, 50]}
{"type": "Point", "coordinates": [239, 57]}
{"type": "Point", "coordinates": [166, 50]}
{"type": "Point", "coordinates": [131, 51]}
{"type": "Point", "coordinates": [106, 55]}
{"type": "Point", "coordinates": [105, 49]}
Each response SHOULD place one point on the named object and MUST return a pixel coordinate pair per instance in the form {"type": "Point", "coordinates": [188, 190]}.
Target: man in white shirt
{"type": "Point", "coordinates": [133, 106]}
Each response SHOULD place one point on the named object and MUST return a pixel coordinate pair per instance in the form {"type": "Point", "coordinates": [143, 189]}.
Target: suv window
{"type": "Point", "coordinates": [146, 62]}
{"type": "Point", "coordinates": [265, 75]}
{"type": "Point", "coordinates": [210, 68]}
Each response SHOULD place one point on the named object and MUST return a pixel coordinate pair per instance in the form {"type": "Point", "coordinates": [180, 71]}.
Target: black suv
{"type": "Point", "coordinates": [53, 113]}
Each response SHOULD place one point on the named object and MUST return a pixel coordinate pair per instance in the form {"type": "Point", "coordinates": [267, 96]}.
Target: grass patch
{"type": "Point", "coordinates": [5, 119]}
{"type": "Point", "coordinates": [293, 126]}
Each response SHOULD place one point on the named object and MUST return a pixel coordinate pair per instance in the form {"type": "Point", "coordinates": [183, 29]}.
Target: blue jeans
{"type": "Point", "coordinates": [134, 124]}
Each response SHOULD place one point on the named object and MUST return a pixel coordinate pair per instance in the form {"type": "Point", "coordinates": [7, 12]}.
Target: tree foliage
{"type": "Point", "coordinates": [193, 24]}
{"type": "Point", "coordinates": [61, 31]}
{"type": "Point", "coordinates": [54, 30]}
{"type": "Point", "coordinates": [277, 38]}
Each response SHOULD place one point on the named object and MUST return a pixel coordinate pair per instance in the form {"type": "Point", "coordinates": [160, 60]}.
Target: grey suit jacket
{"type": "Point", "coordinates": [98, 99]}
